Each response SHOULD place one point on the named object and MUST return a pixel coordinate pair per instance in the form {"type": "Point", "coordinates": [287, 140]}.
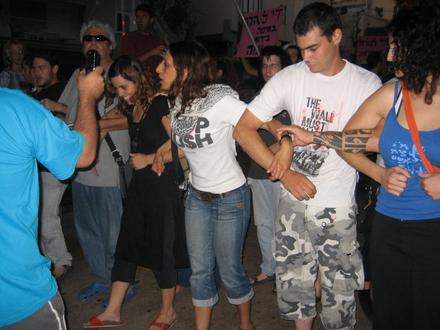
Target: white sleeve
{"type": "Point", "coordinates": [231, 109]}
{"type": "Point", "coordinates": [271, 99]}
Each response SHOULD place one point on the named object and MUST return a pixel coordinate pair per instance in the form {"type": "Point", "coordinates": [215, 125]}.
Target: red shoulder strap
{"type": "Point", "coordinates": [415, 132]}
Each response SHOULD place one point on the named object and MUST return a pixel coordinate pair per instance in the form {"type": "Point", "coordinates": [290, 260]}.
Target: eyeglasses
{"type": "Point", "coordinates": [97, 38]}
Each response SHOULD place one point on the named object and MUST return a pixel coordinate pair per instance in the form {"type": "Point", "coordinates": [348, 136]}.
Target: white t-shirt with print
{"type": "Point", "coordinates": [204, 133]}
{"type": "Point", "coordinates": [319, 103]}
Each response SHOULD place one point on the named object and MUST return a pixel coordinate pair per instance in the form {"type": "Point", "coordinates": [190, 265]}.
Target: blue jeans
{"type": "Point", "coordinates": [52, 241]}
{"type": "Point", "coordinates": [97, 213]}
{"type": "Point", "coordinates": [215, 234]}
{"type": "Point", "coordinates": [265, 199]}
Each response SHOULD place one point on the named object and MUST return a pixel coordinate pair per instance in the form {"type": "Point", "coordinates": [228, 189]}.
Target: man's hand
{"type": "Point", "coordinates": [298, 185]}
{"type": "Point", "coordinates": [394, 180]}
{"type": "Point", "coordinates": [91, 85]}
{"type": "Point", "coordinates": [301, 137]}
{"type": "Point", "coordinates": [431, 184]}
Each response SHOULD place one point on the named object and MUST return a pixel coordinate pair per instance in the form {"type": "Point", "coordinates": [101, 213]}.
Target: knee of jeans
{"type": "Point", "coordinates": [203, 285]}
{"type": "Point", "coordinates": [236, 286]}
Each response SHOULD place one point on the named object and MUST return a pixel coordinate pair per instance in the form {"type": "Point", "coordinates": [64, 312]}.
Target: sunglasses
{"type": "Point", "coordinates": [97, 38]}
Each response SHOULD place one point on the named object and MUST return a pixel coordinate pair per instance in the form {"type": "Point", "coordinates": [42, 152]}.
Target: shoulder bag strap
{"type": "Point", "coordinates": [397, 98]}
{"type": "Point", "coordinates": [113, 149]}
{"type": "Point", "coordinates": [178, 172]}
{"type": "Point", "coordinates": [414, 131]}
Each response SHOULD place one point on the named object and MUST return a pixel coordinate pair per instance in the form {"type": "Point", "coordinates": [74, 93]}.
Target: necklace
{"type": "Point", "coordinates": [137, 125]}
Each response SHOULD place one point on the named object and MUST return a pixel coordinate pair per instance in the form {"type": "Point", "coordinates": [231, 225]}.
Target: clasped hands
{"type": "Point", "coordinates": [296, 183]}
{"type": "Point", "coordinates": [393, 179]}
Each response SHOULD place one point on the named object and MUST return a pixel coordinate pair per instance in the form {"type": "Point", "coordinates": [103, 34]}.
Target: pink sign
{"type": "Point", "coordinates": [368, 44]}
{"type": "Point", "coordinates": [265, 26]}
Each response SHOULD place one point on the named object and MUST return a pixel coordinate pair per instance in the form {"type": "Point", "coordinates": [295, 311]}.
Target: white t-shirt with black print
{"type": "Point", "coordinates": [204, 133]}
{"type": "Point", "coordinates": [319, 103]}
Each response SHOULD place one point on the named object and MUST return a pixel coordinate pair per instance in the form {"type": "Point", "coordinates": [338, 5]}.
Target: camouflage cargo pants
{"type": "Point", "coordinates": [313, 241]}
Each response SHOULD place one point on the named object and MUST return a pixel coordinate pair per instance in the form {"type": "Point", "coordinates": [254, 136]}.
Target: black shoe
{"type": "Point", "coordinates": [366, 303]}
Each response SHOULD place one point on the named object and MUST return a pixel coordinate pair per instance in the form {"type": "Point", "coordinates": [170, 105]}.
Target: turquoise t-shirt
{"type": "Point", "coordinates": [28, 132]}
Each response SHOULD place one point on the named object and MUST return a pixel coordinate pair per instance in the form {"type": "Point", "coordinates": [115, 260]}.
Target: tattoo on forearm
{"type": "Point", "coordinates": [349, 141]}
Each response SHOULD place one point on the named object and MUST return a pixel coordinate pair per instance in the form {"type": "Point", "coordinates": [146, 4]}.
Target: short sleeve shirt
{"type": "Point", "coordinates": [29, 133]}
{"type": "Point", "coordinates": [204, 133]}
{"type": "Point", "coordinates": [319, 103]}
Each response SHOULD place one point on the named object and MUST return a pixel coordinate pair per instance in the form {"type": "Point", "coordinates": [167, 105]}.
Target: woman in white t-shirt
{"type": "Point", "coordinates": [203, 116]}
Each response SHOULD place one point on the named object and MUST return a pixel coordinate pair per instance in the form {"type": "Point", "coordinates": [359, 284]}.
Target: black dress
{"type": "Point", "coordinates": [152, 226]}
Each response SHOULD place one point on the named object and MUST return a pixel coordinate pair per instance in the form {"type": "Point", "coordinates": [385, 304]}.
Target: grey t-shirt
{"type": "Point", "coordinates": [105, 165]}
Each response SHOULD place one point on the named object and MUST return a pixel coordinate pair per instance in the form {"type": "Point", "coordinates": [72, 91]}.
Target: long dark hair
{"type": "Point", "coordinates": [193, 66]}
{"type": "Point", "coordinates": [416, 35]}
{"type": "Point", "coordinates": [132, 70]}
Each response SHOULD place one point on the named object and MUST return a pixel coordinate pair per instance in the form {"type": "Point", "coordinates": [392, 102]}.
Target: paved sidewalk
{"type": "Point", "coordinates": [144, 307]}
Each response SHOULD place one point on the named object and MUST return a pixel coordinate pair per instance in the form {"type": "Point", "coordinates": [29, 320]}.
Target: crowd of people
{"type": "Point", "coordinates": [307, 128]}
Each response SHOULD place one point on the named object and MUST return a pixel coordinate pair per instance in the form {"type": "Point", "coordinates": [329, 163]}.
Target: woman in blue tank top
{"type": "Point", "coordinates": [405, 248]}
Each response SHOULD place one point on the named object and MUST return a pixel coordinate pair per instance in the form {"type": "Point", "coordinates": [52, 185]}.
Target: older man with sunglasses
{"type": "Point", "coordinates": [97, 202]}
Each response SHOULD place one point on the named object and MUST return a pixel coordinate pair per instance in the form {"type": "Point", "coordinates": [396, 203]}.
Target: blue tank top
{"type": "Point", "coordinates": [398, 149]}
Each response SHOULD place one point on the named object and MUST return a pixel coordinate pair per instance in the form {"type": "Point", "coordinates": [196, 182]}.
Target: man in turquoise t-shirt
{"type": "Point", "coordinates": [29, 297]}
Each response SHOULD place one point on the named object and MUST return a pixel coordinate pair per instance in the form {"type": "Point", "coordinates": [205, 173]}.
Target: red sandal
{"type": "Point", "coordinates": [162, 325]}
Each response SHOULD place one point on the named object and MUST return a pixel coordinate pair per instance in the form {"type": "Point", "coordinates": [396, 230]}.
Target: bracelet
{"type": "Point", "coordinates": [286, 135]}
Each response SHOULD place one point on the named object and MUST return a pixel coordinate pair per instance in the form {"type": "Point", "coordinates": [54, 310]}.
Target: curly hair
{"type": "Point", "coordinates": [416, 35]}
{"type": "Point", "coordinates": [194, 71]}
{"type": "Point", "coordinates": [130, 69]}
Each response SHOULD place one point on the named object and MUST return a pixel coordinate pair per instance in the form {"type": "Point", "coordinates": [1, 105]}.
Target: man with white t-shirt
{"type": "Point", "coordinates": [315, 234]}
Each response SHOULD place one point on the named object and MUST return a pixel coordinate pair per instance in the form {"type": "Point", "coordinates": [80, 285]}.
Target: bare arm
{"type": "Point", "coordinates": [53, 106]}
{"type": "Point", "coordinates": [245, 133]}
{"type": "Point", "coordinates": [370, 114]}
{"type": "Point", "coordinates": [283, 154]}
{"type": "Point", "coordinates": [249, 68]}
{"type": "Point", "coordinates": [90, 88]}
{"type": "Point", "coordinates": [158, 50]}
{"type": "Point", "coordinates": [350, 141]}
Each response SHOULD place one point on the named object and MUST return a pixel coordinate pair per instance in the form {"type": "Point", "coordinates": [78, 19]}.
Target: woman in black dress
{"type": "Point", "coordinates": [152, 228]}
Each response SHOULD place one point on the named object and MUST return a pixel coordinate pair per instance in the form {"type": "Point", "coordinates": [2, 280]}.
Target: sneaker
{"type": "Point", "coordinates": [92, 291]}
{"type": "Point", "coordinates": [130, 294]}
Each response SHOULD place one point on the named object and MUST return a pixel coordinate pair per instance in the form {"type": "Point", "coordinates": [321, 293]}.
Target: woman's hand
{"type": "Point", "coordinates": [394, 180]}
{"type": "Point", "coordinates": [138, 161]}
{"type": "Point", "coordinates": [158, 163]}
{"type": "Point", "coordinates": [431, 184]}
{"type": "Point", "coordinates": [281, 162]}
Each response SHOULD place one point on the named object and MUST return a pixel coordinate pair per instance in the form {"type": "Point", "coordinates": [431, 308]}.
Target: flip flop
{"type": "Point", "coordinates": [162, 325]}
{"type": "Point", "coordinates": [95, 323]}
